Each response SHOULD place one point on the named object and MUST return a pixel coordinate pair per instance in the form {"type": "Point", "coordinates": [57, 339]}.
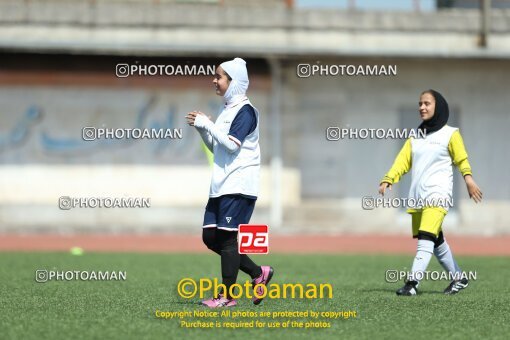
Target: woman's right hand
{"type": "Point", "coordinates": [383, 186]}
{"type": "Point", "coordinates": [190, 118]}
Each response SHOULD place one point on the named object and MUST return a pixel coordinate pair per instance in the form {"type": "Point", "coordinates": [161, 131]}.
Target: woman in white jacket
{"type": "Point", "coordinates": [234, 141]}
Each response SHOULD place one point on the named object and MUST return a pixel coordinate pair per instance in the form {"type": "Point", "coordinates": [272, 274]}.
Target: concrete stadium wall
{"type": "Point", "coordinates": [29, 197]}
{"type": "Point", "coordinates": [159, 28]}
{"type": "Point", "coordinates": [41, 119]}
{"type": "Point", "coordinates": [339, 173]}
{"type": "Point", "coordinates": [43, 156]}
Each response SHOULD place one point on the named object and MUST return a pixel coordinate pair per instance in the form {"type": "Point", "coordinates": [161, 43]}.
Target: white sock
{"type": "Point", "coordinates": [445, 257]}
{"type": "Point", "coordinates": [421, 261]}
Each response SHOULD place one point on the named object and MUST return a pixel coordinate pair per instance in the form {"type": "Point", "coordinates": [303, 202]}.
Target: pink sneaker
{"type": "Point", "coordinates": [264, 278]}
{"type": "Point", "coordinates": [220, 301]}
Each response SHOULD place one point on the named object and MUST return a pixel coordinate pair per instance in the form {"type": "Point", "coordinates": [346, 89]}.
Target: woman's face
{"type": "Point", "coordinates": [427, 106]}
{"type": "Point", "coordinates": [220, 81]}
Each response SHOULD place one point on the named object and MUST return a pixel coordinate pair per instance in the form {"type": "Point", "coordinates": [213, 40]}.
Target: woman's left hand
{"type": "Point", "coordinates": [474, 191]}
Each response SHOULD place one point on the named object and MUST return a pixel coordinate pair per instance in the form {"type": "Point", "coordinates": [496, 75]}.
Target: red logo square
{"type": "Point", "coordinates": [253, 239]}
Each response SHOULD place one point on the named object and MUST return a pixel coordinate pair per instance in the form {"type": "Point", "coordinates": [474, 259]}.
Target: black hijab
{"type": "Point", "coordinates": [441, 114]}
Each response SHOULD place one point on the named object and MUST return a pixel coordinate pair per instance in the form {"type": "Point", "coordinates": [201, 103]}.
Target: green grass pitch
{"type": "Point", "coordinates": [124, 310]}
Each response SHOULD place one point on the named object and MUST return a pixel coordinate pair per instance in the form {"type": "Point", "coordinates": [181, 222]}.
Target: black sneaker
{"type": "Point", "coordinates": [409, 289]}
{"type": "Point", "coordinates": [455, 286]}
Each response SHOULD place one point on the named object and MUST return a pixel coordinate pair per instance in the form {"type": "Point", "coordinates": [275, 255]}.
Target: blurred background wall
{"type": "Point", "coordinates": [57, 76]}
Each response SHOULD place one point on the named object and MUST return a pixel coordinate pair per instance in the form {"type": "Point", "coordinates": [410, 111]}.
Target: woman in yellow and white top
{"type": "Point", "coordinates": [430, 160]}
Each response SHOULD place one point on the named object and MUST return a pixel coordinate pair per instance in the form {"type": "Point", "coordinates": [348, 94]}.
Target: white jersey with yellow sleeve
{"type": "Point", "coordinates": [431, 159]}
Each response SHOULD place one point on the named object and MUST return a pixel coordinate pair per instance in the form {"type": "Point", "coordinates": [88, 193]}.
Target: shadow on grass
{"type": "Point", "coordinates": [187, 303]}
{"type": "Point", "coordinates": [377, 290]}
{"type": "Point", "coordinates": [433, 292]}
{"type": "Point", "coordinates": [392, 291]}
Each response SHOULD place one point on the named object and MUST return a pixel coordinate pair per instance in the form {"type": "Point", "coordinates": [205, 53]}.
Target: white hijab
{"type": "Point", "coordinates": [238, 86]}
